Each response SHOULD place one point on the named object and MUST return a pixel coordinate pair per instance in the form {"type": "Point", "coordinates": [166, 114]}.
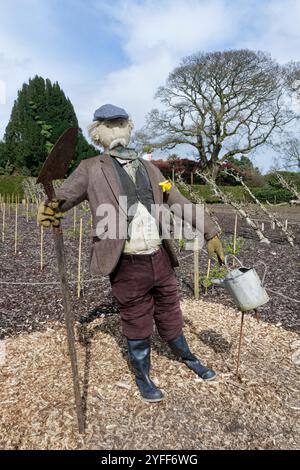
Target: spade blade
{"type": "Point", "coordinates": [60, 157]}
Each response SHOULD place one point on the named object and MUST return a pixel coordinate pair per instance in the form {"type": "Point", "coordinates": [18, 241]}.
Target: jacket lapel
{"type": "Point", "coordinates": [111, 175]}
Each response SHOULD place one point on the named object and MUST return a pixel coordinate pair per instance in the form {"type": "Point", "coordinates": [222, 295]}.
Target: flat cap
{"type": "Point", "coordinates": [108, 112]}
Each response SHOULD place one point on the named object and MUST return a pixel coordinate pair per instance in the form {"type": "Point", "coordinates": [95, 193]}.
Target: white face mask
{"type": "Point", "coordinates": [110, 134]}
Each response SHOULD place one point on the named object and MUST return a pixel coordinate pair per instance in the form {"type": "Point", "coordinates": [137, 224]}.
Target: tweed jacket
{"type": "Point", "coordinates": [96, 180]}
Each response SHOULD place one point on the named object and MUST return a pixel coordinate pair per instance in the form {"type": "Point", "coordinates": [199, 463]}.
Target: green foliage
{"type": "Point", "coordinates": [11, 185]}
{"type": "Point", "coordinates": [181, 244]}
{"type": "Point", "coordinates": [7, 168]}
{"type": "Point", "coordinates": [216, 272]}
{"type": "Point", "coordinates": [267, 193]}
{"type": "Point", "coordinates": [172, 157]}
{"type": "Point", "coordinates": [291, 177]}
{"type": "Point", "coordinates": [147, 148]}
{"type": "Point", "coordinates": [273, 195]}
{"type": "Point", "coordinates": [41, 113]}
{"type": "Point", "coordinates": [205, 193]}
{"type": "Point", "coordinates": [229, 247]}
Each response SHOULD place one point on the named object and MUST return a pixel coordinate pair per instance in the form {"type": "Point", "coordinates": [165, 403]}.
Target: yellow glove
{"type": "Point", "coordinates": [49, 213]}
{"type": "Point", "coordinates": [215, 247]}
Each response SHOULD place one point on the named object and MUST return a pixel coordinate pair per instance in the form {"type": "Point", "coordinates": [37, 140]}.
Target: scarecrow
{"type": "Point", "coordinates": [129, 243]}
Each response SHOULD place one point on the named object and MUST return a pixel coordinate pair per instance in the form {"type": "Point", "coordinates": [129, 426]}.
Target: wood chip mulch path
{"type": "Point", "coordinates": [258, 411]}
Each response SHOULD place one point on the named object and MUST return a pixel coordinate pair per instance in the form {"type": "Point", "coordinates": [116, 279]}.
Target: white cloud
{"type": "Point", "coordinates": [155, 36]}
{"type": "Point", "coordinates": [276, 29]}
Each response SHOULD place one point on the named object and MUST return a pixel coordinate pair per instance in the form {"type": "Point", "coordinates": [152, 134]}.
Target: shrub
{"type": "Point", "coordinates": [205, 193]}
{"type": "Point", "coordinates": [11, 185]}
{"type": "Point", "coordinates": [268, 193]}
{"type": "Point", "coordinates": [272, 195]}
{"type": "Point", "coordinates": [292, 177]}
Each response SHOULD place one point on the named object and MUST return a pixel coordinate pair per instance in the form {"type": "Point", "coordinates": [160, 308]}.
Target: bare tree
{"type": "Point", "coordinates": [289, 151]}
{"type": "Point", "coordinates": [222, 104]}
{"type": "Point", "coordinates": [291, 73]}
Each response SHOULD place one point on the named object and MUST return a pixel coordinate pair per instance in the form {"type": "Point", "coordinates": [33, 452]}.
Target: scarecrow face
{"type": "Point", "coordinates": [109, 134]}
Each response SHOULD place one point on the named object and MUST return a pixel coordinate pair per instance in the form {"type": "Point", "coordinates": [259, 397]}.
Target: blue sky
{"type": "Point", "coordinates": [121, 51]}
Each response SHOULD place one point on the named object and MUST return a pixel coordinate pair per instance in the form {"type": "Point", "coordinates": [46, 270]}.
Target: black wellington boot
{"type": "Point", "coordinates": [139, 358]}
{"type": "Point", "coordinates": [180, 348]}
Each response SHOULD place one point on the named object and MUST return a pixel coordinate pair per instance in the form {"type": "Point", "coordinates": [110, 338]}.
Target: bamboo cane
{"type": "Point", "coordinates": [207, 274]}
{"type": "Point", "coordinates": [42, 247]}
{"type": "Point", "coordinates": [3, 222]}
{"type": "Point", "coordinates": [180, 230]}
{"type": "Point", "coordinates": [235, 234]}
{"type": "Point", "coordinates": [16, 230]}
{"type": "Point", "coordinates": [240, 345]}
{"type": "Point", "coordinates": [75, 220]}
{"type": "Point", "coordinates": [196, 269]}
{"type": "Point", "coordinates": [79, 261]}
{"type": "Point", "coordinates": [27, 210]}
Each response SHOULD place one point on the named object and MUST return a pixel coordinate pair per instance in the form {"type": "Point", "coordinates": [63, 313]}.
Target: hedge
{"type": "Point", "coordinates": [11, 185]}
{"type": "Point", "coordinates": [206, 194]}
{"type": "Point", "coordinates": [267, 193]}
{"type": "Point", "coordinates": [273, 195]}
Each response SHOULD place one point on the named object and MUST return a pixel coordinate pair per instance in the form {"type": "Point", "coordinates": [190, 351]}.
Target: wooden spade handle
{"type": "Point", "coordinates": [69, 317]}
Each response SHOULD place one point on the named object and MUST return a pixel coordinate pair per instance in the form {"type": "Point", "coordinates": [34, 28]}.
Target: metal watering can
{"type": "Point", "coordinates": [244, 286]}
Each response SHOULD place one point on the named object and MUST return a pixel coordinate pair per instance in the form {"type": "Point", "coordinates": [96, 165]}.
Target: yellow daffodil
{"type": "Point", "coordinates": [165, 185]}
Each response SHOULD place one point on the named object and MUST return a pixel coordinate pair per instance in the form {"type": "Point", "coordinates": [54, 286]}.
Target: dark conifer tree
{"type": "Point", "coordinates": [39, 116]}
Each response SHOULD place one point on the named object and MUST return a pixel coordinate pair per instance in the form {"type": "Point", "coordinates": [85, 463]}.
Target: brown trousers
{"type": "Point", "coordinates": [145, 288]}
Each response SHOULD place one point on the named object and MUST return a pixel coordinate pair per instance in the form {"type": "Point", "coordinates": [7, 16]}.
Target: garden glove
{"type": "Point", "coordinates": [215, 247]}
{"type": "Point", "coordinates": [49, 213]}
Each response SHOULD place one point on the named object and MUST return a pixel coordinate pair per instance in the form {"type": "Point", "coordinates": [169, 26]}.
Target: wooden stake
{"type": "Point", "coordinates": [27, 210]}
{"type": "Point", "coordinates": [208, 273]}
{"type": "Point", "coordinates": [79, 261]}
{"type": "Point", "coordinates": [3, 222]}
{"type": "Point", "coordinates": [75, 219]}
{"type": "Point", "coordinates": [240, 345]}
{"type": "Point", "coordinates": [262, 227]}
{"type": "Point", "coordinates": [37, 208]}
{"type": "Point", "coordinates": [181, 229]}
{"type": "Point", "coordinates": [286, 224]}
{"type": "Point", "coordinates": [196, 269]}
{"type": "Point", "coordinates": [42, 247]}
{"type": "Point", "coordinates": [16, 230]}
{"type": "Point", "coordinates": [235, 234]}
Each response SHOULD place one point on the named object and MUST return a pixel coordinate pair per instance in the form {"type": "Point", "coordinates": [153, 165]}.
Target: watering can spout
{"type": "Point", "coordinates": [218, 282]}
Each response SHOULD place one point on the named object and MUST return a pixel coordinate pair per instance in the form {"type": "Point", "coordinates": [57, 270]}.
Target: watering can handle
{"type": "Point", "coordinates": [232, 256]}
{"type": "Point", "coordinates": [265, 271]}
